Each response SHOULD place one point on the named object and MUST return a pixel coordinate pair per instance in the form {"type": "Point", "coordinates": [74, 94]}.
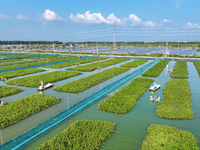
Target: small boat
{"type": "Point", "coordinates": [154, 87]}
{"type": "Point", "coordinates": [44, 87]}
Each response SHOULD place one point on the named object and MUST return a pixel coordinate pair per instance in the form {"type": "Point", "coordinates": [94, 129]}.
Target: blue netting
{"type": "Point", "coordinates": [36, 132]}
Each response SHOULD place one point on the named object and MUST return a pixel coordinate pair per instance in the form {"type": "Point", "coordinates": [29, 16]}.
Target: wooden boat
{"type": "Point", "coordinates": [152, 88]}
{"type": "Point", "coordinates": [46, 86]}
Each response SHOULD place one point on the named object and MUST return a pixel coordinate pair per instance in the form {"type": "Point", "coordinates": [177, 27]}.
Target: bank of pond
{"type": "Point", "coordinates": [125, 99]}
{"type": "Point", "coordinates": [135, 63]}
{"type": "Point", "coordinates": [22, 108]}
{"type": "Point", "coordinates": [102, 64]}
{"type": "Point", "coordinates": [82, 84]}
{"type": "Point", "coordinates": [156, 69]}
{"type": "Point", "coordinates": [180, 70]}
{"type": "Point", "coordinates": [71, 63]}
{"type": "Point", "coordinates": [7, 91]}
{"type": "Point", "coordinates": [81, 135]}
{"type": "Point", "coordinates": [17, 73]}
{"type": "Point", "coordinates": [50, 77]}
{"type": "Point", "coordinates": [168, 138]}
{"type": "Point", "coordinates": [176, 102]}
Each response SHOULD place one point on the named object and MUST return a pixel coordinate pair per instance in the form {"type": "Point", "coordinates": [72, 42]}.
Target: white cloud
{"type": "Point", "coordinates": [50, 15]}
{"type": "Point", "coordinates": [96, 18]}
{"type": "Point", "coordinates": [21, 17]}
{"type": "Point", "coordinates": [3, 16]}
{"type": "Point", "coordinates": [135, 20]}
{"type": "Point", "coordinates": [44, 23]}
{"type": "Point", "coordinates": [149, 24]}
{"type": "Point", "coordinates": [190, 25]}
{"type": "Point", "coordinates": [165, 20]}
{"type": "Point", "coordinates": [177, 6]}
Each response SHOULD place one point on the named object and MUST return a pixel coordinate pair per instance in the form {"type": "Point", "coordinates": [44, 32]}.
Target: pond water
{"type": "Point", "coordinates": [67, 99]}
{"type": "Point", "coordinates": [131, 128]}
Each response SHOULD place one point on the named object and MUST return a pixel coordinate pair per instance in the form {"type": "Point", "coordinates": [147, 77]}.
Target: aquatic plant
{"type": "Point", "coordinates": [22, 108]}
{"type": "Point", "coordinates": [92, 80]}
{"type": "Point", "coordinates": [176, 102]}
{"type": "Point", "coordinates": [125, 99]}
{"type": "Point", "coordinates": [82, 134]}
{"type": "Point", "coordinates": [75, 62]}
{"type": "Point", "coordinates": [134, 63]}
{"type": "Point", "coordinates": [94, 66]}
{"type": "Point", "coordinates": [180, 70]}
{"type": "Point", "coordinates": [23, 65]}
{"type": "Point", "coordinates": [16, 73]}
{"type": "Point", "coordinates": [197, 65]}
{"type": "Point", "coordinates": [15, 62]}
{"type": "Point", "coordinates": [50, 77]}
{"type": "Point", "coordinates": [156, 69]}
{"type": "Point", "coordinates": [7, 91]}
{"type": "Point", "coordinates": [166, 137]}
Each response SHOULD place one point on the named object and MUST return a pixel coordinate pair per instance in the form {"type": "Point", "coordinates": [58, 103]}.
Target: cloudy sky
{"type": "Point", "coordinates": [89, 20]}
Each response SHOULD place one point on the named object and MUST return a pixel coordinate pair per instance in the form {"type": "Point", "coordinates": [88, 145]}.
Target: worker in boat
{"type": "Point", "coordinates": [154, 85]}
{"type": "Point", "coordinates": [42, 84]}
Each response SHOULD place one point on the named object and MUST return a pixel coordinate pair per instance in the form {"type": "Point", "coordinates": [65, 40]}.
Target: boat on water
{"type": "Point", "coordinates": [44, 87]}
{"type": "Point", "coordinates": [155, 87]}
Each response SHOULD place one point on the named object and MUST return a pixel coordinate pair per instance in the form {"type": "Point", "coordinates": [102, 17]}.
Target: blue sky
{"type": "Point", "coordinates": [89, 20]}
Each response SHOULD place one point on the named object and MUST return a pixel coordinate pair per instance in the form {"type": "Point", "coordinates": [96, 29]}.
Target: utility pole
{"type": "Point", "coordinates": [114, 37]}
{"type": "Point", "coordinates": [97, 48]}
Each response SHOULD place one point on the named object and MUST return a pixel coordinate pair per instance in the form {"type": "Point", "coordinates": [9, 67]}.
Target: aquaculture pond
{"type": "Point", "coordinates": [130, 128]}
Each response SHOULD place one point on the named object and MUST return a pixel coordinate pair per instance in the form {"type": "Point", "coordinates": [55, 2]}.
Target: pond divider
{"type": "Point", "coordinates": [26, 138]}
{"type": "Point", "coordinates": [45, 64]}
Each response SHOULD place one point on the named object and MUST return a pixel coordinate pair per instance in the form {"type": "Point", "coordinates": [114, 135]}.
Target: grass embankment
{"type": "Point", "coordinates": [93, 66]}
{"type": "Point", "coordinates": [168, 138]}
{"type": "Point", "coordinates": [176, 102]}
{"type": "Point", "coordinates": [24, 107]}
{"type": "Point", "coordinates": [180, 70]}
{"type": "Point", "coordinates": [50, 77]}
{"type": "Point", "coordinates": [156, 69]}
{"type": "Point", "coordinates": [20, 55]}
{"type": "Point", "coordinates": [92, 80]}
{"type": "Point", "coordinates": [74, 62]}
{"type": "Point", "coordinates": [23, 65]}
{"type": "Point", "coordinates": [197, 65]}
{"type": "Point", "coordinates": [12, 74]}
{"type": "Point", "coordinates": [7, 91]}
{"type": "Point", "coordinates": [81, 135]}
{"type": "Point", "coordinates": [125, 99]}
{"type": "Point", "coordinates": [15, 62]}
{"type": "Point", "coordinates": [134, 63]}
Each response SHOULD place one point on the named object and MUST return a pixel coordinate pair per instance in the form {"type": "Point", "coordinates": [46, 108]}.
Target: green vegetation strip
{"type": "Point", "coordinates": [81, 135]}
{"type": "Point", "coordinates": [156, 69]}
{"type": "Point", "coordinates": [15, 62]}
{"type": "Point", "coordinates": [12, 74]}
{"type": "Point", "coordinates": [92, 80]}
{"type": "Point", "coordinates": [50, 77]}
{"type": "Point", "coordinates": [25, 107]}
{"type": "Point", "coordinates": [197, 65]}
{"type": "Point", "coordinates": [7, 91]}
{"type": "Point", "coordinates": [125, 99]}
{"type": "Point", "coordinates": [74, 62]}
{"type": "Point", "coordinates": [134, 63]}
{"type": "Point", "coordinates": [93, 66]}
{"type": "Point", "coordinates": [180, 70]}
{"type": "Point", "coordinates": [23, 65]}
{"type": "Point", "coordinates": [176, 103]}
{"type": "Point", "coordinates": [168, 138]}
